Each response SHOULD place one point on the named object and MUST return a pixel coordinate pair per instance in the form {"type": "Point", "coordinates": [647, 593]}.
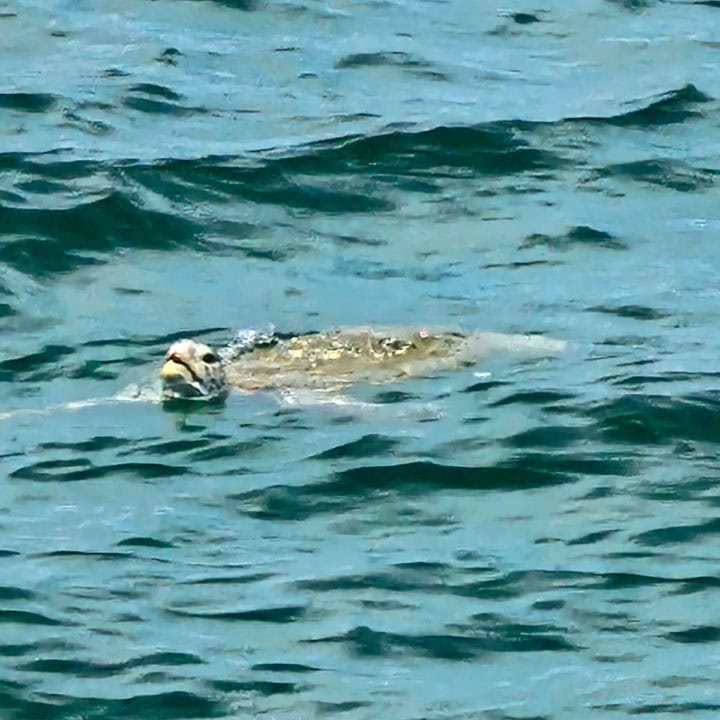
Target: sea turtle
{"type": "Point", "coordinates": [329, 360]}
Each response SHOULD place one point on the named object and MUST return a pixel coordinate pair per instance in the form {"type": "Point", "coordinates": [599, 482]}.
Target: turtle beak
{"type": "Point", "coordinates": [174, 368]}
{"type": "Point", "coordinates": [178, 378]}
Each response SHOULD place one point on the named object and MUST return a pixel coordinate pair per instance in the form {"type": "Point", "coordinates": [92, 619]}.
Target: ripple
{"type": "Point", "coordinates": [406, 62]}
{"type": "Point", "coordinates": [78, 668]}
{"type": "Point", "coordinates": [677, 534]}
{"type": "Point", "coordinates": [364, 641]}
{"type": "Point", "coordinates": [676, 175]}
{"type": "Point", "coordinates": [176, 705]}
{"type": "Point", "coordinates": [27, 102]}
{"type": "Point", "coordinates": [25, 617]}
{"type": "Point", "coordinates": [8, 592]}
{"type": "Point", "coordinates": [284, 668]}
{"type": "Point", "coordinates": [580, 235]}
{"type": "Point", "coordinates": [698, 634]}
{"type": "Point", "coordinates": [81, 469]}
{"type": "Point", "coordinates": [34, 367]}
{"type": "Point", "coordinates": [46, 241]}
{"type": "Point", "coordinates": [366, 446]}
{"type": "Point", "coordinates": [265, 688]}
{"type": "Point", "coordinates": [675, 106]}
{"type": "Point", "coordinates": [280, 502]}
{"type": "Point", "coordinates": [288, 614]}
{"type": "Point", "coordinates": [148, 542]}
{"type": "Point", "coordinates": [659, 419]}
{"type": "Point", "coordinates": [636, 312]}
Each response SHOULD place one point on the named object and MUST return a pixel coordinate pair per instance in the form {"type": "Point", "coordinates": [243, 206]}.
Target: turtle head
{"type": "Point", "coordinates": [192, 370]}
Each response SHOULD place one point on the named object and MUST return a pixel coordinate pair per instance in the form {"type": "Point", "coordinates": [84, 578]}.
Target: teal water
{"type": "Point", "coordinates": [527, 538]}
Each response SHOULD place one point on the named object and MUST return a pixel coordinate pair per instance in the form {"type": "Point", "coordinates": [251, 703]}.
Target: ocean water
{"type": "Point", "coordinates": [528, 538]}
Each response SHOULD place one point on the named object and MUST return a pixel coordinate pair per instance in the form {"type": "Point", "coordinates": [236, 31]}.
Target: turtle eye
{"type": "Point", "coordinates": [210, 358]}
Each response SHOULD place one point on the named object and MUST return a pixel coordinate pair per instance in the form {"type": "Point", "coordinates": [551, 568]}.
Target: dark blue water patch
{"type": "Point", "coordinates": [46, 166]}
{"type": "Point", "coordinates": [7, 310]}
{"type": "Point", "coordinates": [670, 108]}
{"type": "Point", "coordinates": [233, 449]}
{"type": "Point", "coordinates": [364, 641]}
{"type": "Point", "coordinates": [623, 580]}
{"type": "Point", "coordinates": [11, 699]}
{"type": "Point", "coordinates": [580, 235]}
{"type": "Point", "coordinates": [394, 579]}
{"type": "Point", "coordinates": [172, 447]}
{"type": "Point", "coordinates": [9, 592]}
{"type": "Point", "coordinates": [703, 488]}
{"type": "Point", "coordinates": [36, 648]}
{"type": "Point", "coordinates": [524, 18]}
{"type": "Point", "coordinates": [159, 343]}
{"type": "Point", "coordinates": [686, 709]}
{"type": "Point", "coordinates": [55, 240]}
{"type": "Point", "coordinates": [170, 56]}
{"type": "Point", "coordinates": [592, 538]}
{"type": "Point", "coordinates": [366, 446]}
{"type": "Point", "coordinates": [658, 419]}
{"type": "Point", "coordinates": [74, 119]}
{"type": "Point", "coordinates": [504, 635]}
{"type": "Point", "coordinates": [678, 534]}
{"type": "Point", "coordinates": [154, 90]}
{"type": "Point", "coordinates": [101, 370]}
{"type": "Point", "coordinates": [390, 397]}
{"type": "Point", "coordinates": [634, 5]}
{"type": "Point", "coordinates": [161, 107]}
{"type": "Point", "coordinates": [190, 182]}
{"type": "Point", "coordinates": [282, 615]}
{"type": "Point", "coordinates": [699, 634]}
{"type": "Point", "coordinates": [40, 186]}
{"type": "Point", "coordinates": [671, 174]}
{"type": "Point", "coordinates": [49, 241]}
{"type": "Point", "coordinates": [93, 445]}
{"type": "Point", "coordinates": [82, 469]}
{"type": "Point", "coordinates": [26, 617]}
{"type": "Point", "coordinates": [406, 62]}
{"type": "Point", "coordinates": [79, 668]}
{"type": "Point", "coordinates": [275, 182]}
{"type": "Point", "coordinates": [424, 475]}
{"type": "Point", "coordinates": [491, 149]}
{"type": "Point", "coordinates": [266, 688]}
{"type": "Point", "coordinates": [548, 436]}
{"type": "Point", "coordinates": [282, 667]}
{"type": "Point", "coordinates": [35, 256]}
{"type": "Point", "coordinates": [579, 463]}
{"type": "Point", "coordinates": [635, 312]}
{"type": "Point", "coordinates": [484, 386]}
{"type": "Point", "coordinates": [638, 381]}
{"type": "Point", "coordinates": [27, 102]}
{"type": "Point", "coordinates": [96, 555]}
{"type": "Point", "coordinates": [521, 583]}
{"type": "Point", "coordinates": [42, 365]}
{"type": "Point", "coordinates": [362, 484]}
{"type": "Point", "coordinates": [10, 198]}
{"type": "Point", "coordinates": [529, 397]}
{"type": "Point", "coordinates": [336, 708]}
{"type": "Point", "coordinates": [176, 705]}
{"type": "Point", "coordinates": [229, 579]}
{"type": "Point", "coordinates": [147, 542]}
{"type": "Point", "coordinates": [372, 59]}
{"type": "Point", "coordinates": [244, 5]}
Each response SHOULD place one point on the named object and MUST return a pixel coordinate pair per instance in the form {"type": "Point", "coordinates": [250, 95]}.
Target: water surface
{"type": "Point", "coordinates": [528, 538]}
